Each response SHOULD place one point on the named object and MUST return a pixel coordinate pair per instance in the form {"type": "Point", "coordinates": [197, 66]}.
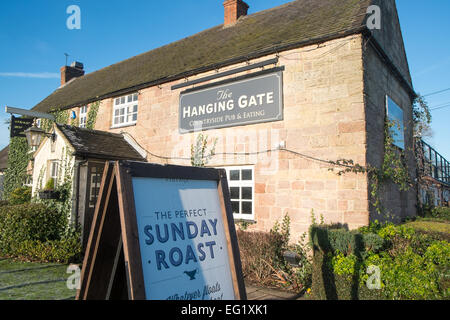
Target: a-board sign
{"type": "Point", "coordinates": [162, 233]}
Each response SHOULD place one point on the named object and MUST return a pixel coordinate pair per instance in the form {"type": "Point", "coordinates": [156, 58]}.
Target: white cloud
{"type": "Point", "coordinates": [40, 75]}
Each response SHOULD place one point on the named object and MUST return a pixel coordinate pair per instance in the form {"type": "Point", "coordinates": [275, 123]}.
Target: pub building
{"type": "Point", "coordinates": [277, 93]}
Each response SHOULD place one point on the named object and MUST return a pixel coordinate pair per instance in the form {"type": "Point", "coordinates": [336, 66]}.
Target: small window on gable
{"type": "Point", "coordinates": [125, 110]}
{"type": "Point", "coordinates": [395, 115]}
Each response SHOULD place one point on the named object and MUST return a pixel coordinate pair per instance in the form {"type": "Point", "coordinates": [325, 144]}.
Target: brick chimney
{"type": "Point", "coordinates": [233, 10]}
{"type": "Point", "coordinates": [74, 71]}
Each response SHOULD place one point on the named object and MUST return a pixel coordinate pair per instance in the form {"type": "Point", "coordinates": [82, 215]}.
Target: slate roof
{"type": "Point", "coordinates": [4, 158]}
{"type": "Point", "coordinates": [99, 144]}
{"type": "Point", "coordinates": [294, 24]}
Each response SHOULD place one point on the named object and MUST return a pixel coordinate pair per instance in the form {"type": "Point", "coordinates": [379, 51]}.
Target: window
{"type": "Point", "coordinates": [242, 185]}
{"type": "Point", "coordinates": [395, 114]}
{"type": "Point", "coordinates": [54, 168]}
{"type": "Point", "coordinates": [94, 190]}
{"type": "Point", "coordinates": [83, 116]}
{"type": "Point", "coordinates": [125, 110]}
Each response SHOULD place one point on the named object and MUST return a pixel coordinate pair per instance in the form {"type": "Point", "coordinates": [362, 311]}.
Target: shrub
{"type": "Point", "coordinates": [50, 185]}
{"type": "Point", "coordinates": [413, 265]}
{"type": "Point", "coordinates": [36, 232]}
{"type": "Point", "coordinates": [259, 251]}
{"type": "Point", "coordinates": [62, 251]}
{"type": "Point", "coordinates": [20, 196]}
{"type": "Point", "coordinates": [441, 213]}
{"type": "Point", "coordinates": [263, 262]}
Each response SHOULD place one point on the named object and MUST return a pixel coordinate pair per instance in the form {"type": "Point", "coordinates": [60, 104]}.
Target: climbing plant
{"type": "Point", "coordinates": [92, 115]}
{"type": "Point", "coordinates": [18, 158]}
{"type": "Point", "coordinates": [200, 155]}
{"type": "Point", "coordinates": [63, 185]}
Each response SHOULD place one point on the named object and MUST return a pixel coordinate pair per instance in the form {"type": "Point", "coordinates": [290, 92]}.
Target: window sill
{"type": "Point", "coordinates": [123, 126]}
{"type": "Point", "coordinates": [240, 220]}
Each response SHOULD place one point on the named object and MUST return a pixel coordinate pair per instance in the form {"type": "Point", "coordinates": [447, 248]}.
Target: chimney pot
{"type": "Point", "coordinates": [234, 9]}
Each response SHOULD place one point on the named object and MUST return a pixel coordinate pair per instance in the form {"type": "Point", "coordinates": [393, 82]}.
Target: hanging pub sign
{"type": "Point", "coordinates": [162, 233]}
{"type": "Point", "coordinates": [19, 125]}
{"type": "Point", "coordinates": [242, 101]}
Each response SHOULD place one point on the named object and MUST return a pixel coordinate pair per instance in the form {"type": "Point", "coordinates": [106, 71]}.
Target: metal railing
{"type": "Point", "coordinates": [431, 163]}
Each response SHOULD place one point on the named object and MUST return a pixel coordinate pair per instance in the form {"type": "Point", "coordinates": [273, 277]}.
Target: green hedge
{"type": "Point", "coordinates": [330, 241]}
{"type": "Point", "coordinates": [412, 265]}
{"type": "Point", "coordinates": [36, 232]}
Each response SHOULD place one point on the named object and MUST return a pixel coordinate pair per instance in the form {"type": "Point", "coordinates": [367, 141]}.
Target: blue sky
{"type": "Point", "coordinates": [34, 38]}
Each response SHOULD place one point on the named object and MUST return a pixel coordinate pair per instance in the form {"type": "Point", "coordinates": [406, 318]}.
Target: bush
{"type": "Point", "coordinates": [259, 251]}
{"type": "Point", "coordinates": [62, 251]}
{"type": "Point", "coordinates": [263, 262]}
{"type": "Point", "coordinates": [36, 232]}
{"type": "Point", "coordinates": [20, 195]}
{"type": "Point", "coordinates": [441, 213]}
{"type": "Point", "coordinates": [412, 265]}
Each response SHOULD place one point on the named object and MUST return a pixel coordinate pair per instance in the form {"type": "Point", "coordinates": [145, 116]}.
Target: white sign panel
{"type": "Point", "coordinates": [182, 240]}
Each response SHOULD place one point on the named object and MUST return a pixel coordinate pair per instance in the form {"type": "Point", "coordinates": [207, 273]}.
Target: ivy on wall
{"type": "Point", "coordinates": [92, 115]}
{"type": "Point", "coordinates": [18, 158]}
{"type": "Point", "coordinates": [63, 185]}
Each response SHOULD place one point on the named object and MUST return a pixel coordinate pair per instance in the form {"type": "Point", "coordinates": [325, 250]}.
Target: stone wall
{"type": "Point", "coordinates": [324, 118]}
{"type": "Point", "coordinates": [380, 81]}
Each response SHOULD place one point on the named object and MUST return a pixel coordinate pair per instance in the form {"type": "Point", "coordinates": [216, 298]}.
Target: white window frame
{"type": "Point", "coordinates": [51, 173]}
{"type": "Point", "coordinates": [395, 113]}
{"type": "Point", "coordinates": [124, 109]}
{"type": "Point", "coordinates": [240, 184]}
{"type": "Point", "coordinates": [83, 116]}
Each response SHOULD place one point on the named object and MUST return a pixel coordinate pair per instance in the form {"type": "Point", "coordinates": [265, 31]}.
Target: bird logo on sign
{"type": "Point", "coordinates": [191, 274]}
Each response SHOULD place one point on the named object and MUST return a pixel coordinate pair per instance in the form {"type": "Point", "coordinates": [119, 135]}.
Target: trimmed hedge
{"type": "Point", "coordinates": [36, 232]}
{"type": "Point", "coordinates": [328, 241]}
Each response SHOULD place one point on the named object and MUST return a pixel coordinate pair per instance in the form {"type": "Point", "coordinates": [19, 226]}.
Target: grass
{"type": "Point", "coordinates": [23, 281]}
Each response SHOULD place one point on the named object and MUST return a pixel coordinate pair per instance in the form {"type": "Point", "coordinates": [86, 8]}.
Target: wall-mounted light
{"type": "Point", "coordinates": [34, 136]}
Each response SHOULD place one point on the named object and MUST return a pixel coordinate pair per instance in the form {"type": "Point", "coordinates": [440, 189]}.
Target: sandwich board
{"type": "Point", "coordinates": [162, 233]}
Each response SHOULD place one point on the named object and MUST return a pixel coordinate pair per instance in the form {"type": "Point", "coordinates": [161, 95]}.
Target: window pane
{"type": "Point", "coordinates": [247, 193]}
{"type": "Point", "coordinates": [234, 175]}
{"type": "Point", "coordinates": [234, 192]}
{"type": "Point", "coordinates": [117, 102]}
{"type": "Point", "coordinates": [122, 100]}
{"type": "Point", "coordinates": [130, 98]}
{"type": "Point", "coordinates": [135, 117]}
{"type": "Point", "coordinates": [247, 174]}
{"type": "Point", "coordinates": [135, 108]}
{"type": "Point", "coordinates": [135, 97]}
{"type": "Point", "coordinates": [235, 206]}
{"type": "Point", "coordinates": [246, 207]}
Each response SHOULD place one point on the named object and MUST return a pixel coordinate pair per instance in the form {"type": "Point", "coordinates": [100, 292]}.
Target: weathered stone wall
{"type": "Point", "coordinates": [380, 81]}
